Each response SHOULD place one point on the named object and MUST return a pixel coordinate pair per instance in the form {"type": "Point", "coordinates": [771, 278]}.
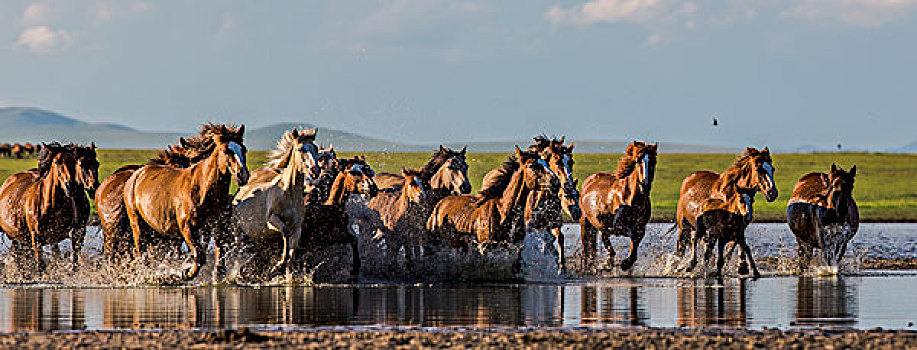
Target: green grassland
{"type": "Point", "coordinates": [886, 186]}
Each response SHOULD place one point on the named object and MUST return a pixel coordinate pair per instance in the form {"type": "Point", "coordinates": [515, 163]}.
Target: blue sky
{"type": "Point", "coordinates": [778, 73]}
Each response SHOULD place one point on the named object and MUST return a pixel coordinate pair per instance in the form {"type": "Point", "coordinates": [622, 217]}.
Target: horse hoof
{"type": "Point", "coordinates": [626, 265]}
{"type": "Point", "coordinates": [743, 268]}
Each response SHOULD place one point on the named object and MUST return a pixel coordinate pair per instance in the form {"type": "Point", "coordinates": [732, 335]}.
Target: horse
{"type": "Point", "coordinates": [401, 214]}
{"type": "Point", "coordinates": [722, 222]}
{"type": "Point", "coordinates": [279, 157]}
{"type": "Point", "coordinates": [6, 150]}
{"type": "Point", "coordinates": [511, 197]}
{"type": "Point", "coordinates": [822, 204]}
{"type": "Point", "coordinates": [17, 150]}
{"type": "Point", "coordinates": [180, 202]}
{"type": "Point", "coordinates": [326, 221]}
{"type": "Point", "coordinates": [560, 158]}
{"type": "Point", "coordinates": [619, 204]}
{"type": "Point", "coordinates": [264, 211]}
{"type": "Point", "coordinates": [109, 197]}
{"type": "Point", "coordinates": [41, 210]}
{"type": "Point", "coordinates": [28, 148]}
{"type": "Point", "coordinates": [752, 172]}
{"type": "Point", "coordinates": [452, 182]}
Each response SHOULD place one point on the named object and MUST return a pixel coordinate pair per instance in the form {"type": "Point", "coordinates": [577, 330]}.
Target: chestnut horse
{"type": "Point", "coordinates": [267, 210]}
{"type": "Point", "coordinates": [560, 158]}
{"type": "Point", "coordinates": [41, 210]}
{"type": "Point", "coordinates": [401, 214]}
{"type": "Point", "coordinates": [109, 197]}
{"type": "Point", "coordinates": [17, 150]}
{"type": "Point", "coordinates": [6, 150]}
{"type": "Point", "coordinates": [451, 182]}
{"type": "Point", "coordinates": [822, 204]}
{"type": "Point", "coordinates": [179, 202]}
{"type": "Point", "coordinates": [326, 221]}
{"type": "Point", "coordinates": [752, 172]}
{"type": "Point", "coordinates": [504, 208]}
{"type": "Point", "coordinates": [619, 204]}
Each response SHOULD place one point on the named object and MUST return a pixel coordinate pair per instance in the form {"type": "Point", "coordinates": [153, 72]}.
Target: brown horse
{"type": "Point", "coordinates": [619, 204]}
{"type": "Point", "coordinates": [326, 221]}
{"type": "Point", "coordinates": [41, 210]}
{"type": "Point", "coordinates": [560, 158]}
{"type": "Point", "coordinates": [504, 208]}
{"type": "Point", "coordinates": [451, 182]}
{"type": "Point", "coordinates": [180, 202]}
{"type": "Point", "coordinates": [721, 222]}
{"type": "Point", "coordinates": [823, 204]}
{"type": "Point", "coordinates": [28, 149]}
{"type": "Point", "coordinates": [17, 150]}
{"type": "Point", "coordinates": [109, 197]}
{"type": "Point", "coordinates": [6, 150]}
{"type": "Point", "coordinates": [752, 172]}
{"type": "Point", "coordinates": [402, 214]}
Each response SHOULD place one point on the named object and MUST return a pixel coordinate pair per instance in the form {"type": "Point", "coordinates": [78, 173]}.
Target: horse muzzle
{"type": "Point", "coordinates": [465, 188]}
{"type": "Point", "coordinates": [771, 194]}
{"type": "Point", "coordinates": [242, 177]}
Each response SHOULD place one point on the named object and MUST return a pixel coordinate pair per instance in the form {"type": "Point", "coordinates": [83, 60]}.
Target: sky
{"type": "Point", "coordinates": [774, 73]}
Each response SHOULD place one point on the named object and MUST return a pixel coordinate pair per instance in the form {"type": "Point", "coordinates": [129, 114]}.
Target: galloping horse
{"type": "Point", "coordinates": [267, 210]}
{"type": "Point", "coordinates": [179, 202]}
{"type": "Point", "coordinates": [40, 210]}
{"type": "Point", "coordinates": [510, 198]}
{"type": "Point", "coordinates": [109, 197]}
{"type": "Point", "coordinates": [822, 204]}
{"type": "Point", "coordinates": [326, 221]}
{"type": "Point", "coordinates": [403, 213]}
{"type": "Point", "coordinates": [707, 191]}
{"type": "Point", "coordinates": [619, 204]}
{"type": "Point", "coordinates": [452, 182]}
{"type": "Point", "coordinates": [560, 158]}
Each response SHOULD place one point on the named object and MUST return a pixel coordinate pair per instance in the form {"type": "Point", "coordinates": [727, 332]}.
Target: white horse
{"type": "Point", "coordinates": [265, 211]}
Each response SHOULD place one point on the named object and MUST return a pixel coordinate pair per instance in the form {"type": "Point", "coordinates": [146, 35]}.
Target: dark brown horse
{"type": "Point", "coordinates": [6, 150]}
{"type": "Point", "coordinates": [504, 208]}
{"type": "Point", "coordinates": [454, 182]}
{"type": "Point", "coordinates": [28, 149]}
{"type": "Point", "coordinates": [181, 202]}
{"type": "Point", "coordinates": [704, 191]}
{"type": "Point", "coordinates": [823, 215]}
{"type": "Point", "coordinates": [41, 210]}
{"type": "Point", "coordinates": [402, 213]}
{"type": "Point", "coordinates": [17, 150]}
{"type": "Point", "coordinates": [619, 204]}
{"type": "Point", "coordinates": [326, 221]}
{"type": "Point", "coordinates": [560, 158]}
{"type": "Point", "coordinates": [109, 197]}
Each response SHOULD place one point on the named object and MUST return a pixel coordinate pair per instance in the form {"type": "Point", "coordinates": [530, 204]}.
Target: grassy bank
{"type": "Point", "coordinates": [886, 186]}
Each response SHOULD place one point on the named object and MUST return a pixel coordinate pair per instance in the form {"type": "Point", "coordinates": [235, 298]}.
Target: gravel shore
{"type": "Point", "coordinates": [451, 338]}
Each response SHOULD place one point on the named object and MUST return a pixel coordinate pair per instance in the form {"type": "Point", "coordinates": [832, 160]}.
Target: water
{"type": "Point", "coordinates": [787, 302]}
{"type": "Point", "coordinates": [131, 297]}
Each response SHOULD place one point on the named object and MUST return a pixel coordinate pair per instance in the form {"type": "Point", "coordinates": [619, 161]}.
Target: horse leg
{"type": "Point", "coordinates": [194, 247]}
{"type": "Point", "coordinates": [635, 238]}
{"type": "Point", "coordinates": [610, 257]}
{"type": "Point", "coordinates": [747, 252]}
{"type": "Point", "coordinates": [134, 221]}
{"type": "Point", "coordinates": [560, 247]}
{"type": "Point", "coordinates": [356, 267]}
{"type": "Point", "coordinates": [274, 223]}
{"type": "Point", "coordinates": [805, 256]}
{"type": "Point", "coordinates": [588, 240]}
{"type": "Point", "coordinates": [76, 244]}
{"type": "Point", "coordinates": [721, 258]}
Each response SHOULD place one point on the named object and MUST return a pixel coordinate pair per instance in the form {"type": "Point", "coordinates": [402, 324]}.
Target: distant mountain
{"type": "Point", "coordinates": [908, 148]}
{"type": "Point", "coordinates": [25, 124]}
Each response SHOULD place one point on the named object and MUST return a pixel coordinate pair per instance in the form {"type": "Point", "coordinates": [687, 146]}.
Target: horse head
{"type": "Point", "coordinates": [358, 177]}
{"type": "Point", "coordinates": [536, 173]}
{"type": "Point", "coordinates": [230, 152]}
{"type": "Point", "coordinates": [300, 145]}
{"type": "Point", "coordinates": [452, 176]}
{"type": "Point", "coordinates": [326, 156]}
{"type": "Point", "coordinates": [560, 159]}
{"type": "Point", "coordinates": [758, 172]}
{"type": "Point", "coordinates": [414, 189]}
{"type": "Point", "coordinates": [840, 188]}
{"type": "Point", "coordinates": [644, 157]}
{"type": "Point", "coordinates": [87, 167]}
{"type": "Point", "coordinates": [57, 164]}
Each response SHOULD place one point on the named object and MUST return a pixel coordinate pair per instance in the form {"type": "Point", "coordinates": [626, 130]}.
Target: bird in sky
{"type": "Point", "coordinates": [716, 122]}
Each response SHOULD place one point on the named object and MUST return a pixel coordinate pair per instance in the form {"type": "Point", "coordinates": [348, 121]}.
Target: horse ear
{"type": "Point", "coordinates": [241, 131]}
{"type": "Point", "coordinates": [570, 146]}
{"type": "Point", "coordinates": [766, 150]}
{"type": "Point", "coordinates": [442, 149]}
{"type": "Point", "coordinates": [330, 147]}
{"type": "Point", "coordinates": [655, 146]}
{"type": "Point", "coordinates": [518, 153]}
{"type": "Point", "coordinates": [404, 172]}
{"type": "Point", "coordinates": [295, 133]}
{"type": "Point", "coordinates": [833, 168]}
{"type": "Point", "coordinates": [183, 142]}
{"type": "Point", "coordinates": [223, 129]}
{"type": "Point", "coordinates": [92, 145]}
{"type": "Point", "coordinates": [853, 171]}
{"type": "Point", "coordinates": [562, 138]}
{"type": "Point", "coordinates": [464, 149]}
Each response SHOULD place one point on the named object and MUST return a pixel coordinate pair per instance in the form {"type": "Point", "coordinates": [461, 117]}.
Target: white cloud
{"type": "Point", "coordinates": [106, 11]}
{"type": "Point", "coordinates": [633, 11]}
{"type": "Point", "coordinates": [861, 13]}
{"type": "Point", "coordinates": [36, 13]}
{"type": "Point", "coordinates": [44, 40]}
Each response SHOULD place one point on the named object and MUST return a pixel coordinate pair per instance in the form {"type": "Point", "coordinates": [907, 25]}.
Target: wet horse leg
{"type": "Point", "coordinates": [636, 236]}
{"type": "Point", "coordinates": [588, 235]}
{"type": "Point", "coordinates": [77, 236]}
{"type": "Point", "coordinates": [805, 256]}
{"type": "Point", "coordinates": [721, 258]}
{"type": "Point", "coordinates": [606, 240]}
{"type": "Point", "coordinates": [747, 252]}
{"type": "Point", "coordinates": [560, 247]}
{"type": "Point", "coordinates": [194, 247]}
{"type": "Point", "coordinates": [274, 223]}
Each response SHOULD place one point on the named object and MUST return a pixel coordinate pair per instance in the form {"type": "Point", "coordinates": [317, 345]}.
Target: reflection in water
{"type": "Point", "coordinates": [639, 301]}
{"type": "Point", "coordinates": [707, 302]}
{"type": "Point", "coordinates": [825, 301]}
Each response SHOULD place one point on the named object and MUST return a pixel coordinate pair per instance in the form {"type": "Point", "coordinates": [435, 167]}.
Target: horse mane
{"type": "Point", "coordinates": [280, 155]}
{"type": "Point", "coordinates": [628, 161]}
{"type": "Point", "coordinates": [496, 181]}
{"type": "Point", "coordinates": [437, 160]}
{"type": "Point", "coordinates": [46, 156]}
{"type": "Point", "coordinates": [740, 168]}
{"type": "Point", "coordinates": [222, 132]}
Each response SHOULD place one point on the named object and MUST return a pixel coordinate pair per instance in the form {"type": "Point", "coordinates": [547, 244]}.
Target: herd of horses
{"type": "Point", "coordinates": [19, 150]}
{"type": "Point", "coordinates": [301, 200]}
